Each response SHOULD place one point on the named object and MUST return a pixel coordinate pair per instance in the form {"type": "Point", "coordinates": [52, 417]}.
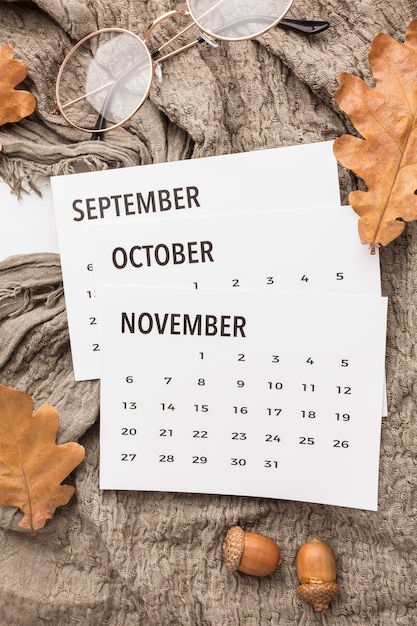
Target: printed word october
{"type": "Point", "coordinates": [175, 253]}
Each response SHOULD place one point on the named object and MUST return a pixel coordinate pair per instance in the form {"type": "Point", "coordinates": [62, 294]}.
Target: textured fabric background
{"type": "Point", "coordinates": [126, 558]}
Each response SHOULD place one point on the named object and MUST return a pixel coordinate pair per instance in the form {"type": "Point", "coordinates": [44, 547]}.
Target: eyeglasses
{"type": "Point", "coordinates": [107, 75]}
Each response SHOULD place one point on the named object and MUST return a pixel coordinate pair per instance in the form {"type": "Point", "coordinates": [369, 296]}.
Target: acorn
{"type": "Point", "coordinates": [316, 570]}
{"type": "Point", "coordinates": [250, 553]}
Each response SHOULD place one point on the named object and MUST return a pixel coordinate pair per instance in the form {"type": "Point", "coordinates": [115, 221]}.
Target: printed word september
{"type": "Point", "coordinates": [135, 203]}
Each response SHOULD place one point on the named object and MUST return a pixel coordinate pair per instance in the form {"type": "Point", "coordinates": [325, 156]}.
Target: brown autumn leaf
{"type": "Point", "coordinates": [32, 466]}
{"type": "Point", "coordinates": [386, 156]}
{"type": "Point", "coordinates": [15, 104]}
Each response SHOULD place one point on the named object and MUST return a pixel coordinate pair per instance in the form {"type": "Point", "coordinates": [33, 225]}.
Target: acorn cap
{"type": "Point", "coordinates": [233, 547]}
{"type": "Point", "coordinates": [319, 594]}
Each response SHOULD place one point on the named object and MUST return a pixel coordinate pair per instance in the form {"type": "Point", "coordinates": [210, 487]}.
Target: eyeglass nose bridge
{"type": "Point", "coordinates": [163, 18]}
{"type": "Point", "coordinates": [156, 52]}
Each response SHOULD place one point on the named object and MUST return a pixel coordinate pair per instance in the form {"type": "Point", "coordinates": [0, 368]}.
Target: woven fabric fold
{"type": "Point", "coordinates": [35, 353]}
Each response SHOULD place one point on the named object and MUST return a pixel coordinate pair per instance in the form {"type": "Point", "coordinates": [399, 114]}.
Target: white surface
{"type": "Point", "coordinates": [28, 224]}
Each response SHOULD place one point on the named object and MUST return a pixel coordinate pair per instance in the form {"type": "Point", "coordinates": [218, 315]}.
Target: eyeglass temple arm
{"type": "Point", "coordinates": [306, 27]}
{"type": "Point", "coordinates": [101, 119]}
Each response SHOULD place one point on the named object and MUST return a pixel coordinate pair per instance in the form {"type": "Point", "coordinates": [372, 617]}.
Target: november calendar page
{"type": "Point", "coordinates": [242, 392]}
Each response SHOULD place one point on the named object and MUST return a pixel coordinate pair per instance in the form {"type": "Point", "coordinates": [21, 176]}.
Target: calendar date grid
{"type": "Point", "coordinates": [249, 429]}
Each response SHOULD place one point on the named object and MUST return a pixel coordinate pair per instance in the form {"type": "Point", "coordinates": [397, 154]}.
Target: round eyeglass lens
{"type": "Point", "coordinates": [237, 19]}
{"type": "Point", "coordinates": [104, 80]}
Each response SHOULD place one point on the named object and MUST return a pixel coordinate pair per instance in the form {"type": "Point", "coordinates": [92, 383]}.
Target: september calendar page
{"type": "Point", "coordinates": [241, 392]}
{"type": "Point", "coordinates": [275, 179]}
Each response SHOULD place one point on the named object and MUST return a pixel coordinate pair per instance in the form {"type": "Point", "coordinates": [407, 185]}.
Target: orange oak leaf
{"type": "Point", "coordinates": [15, 104]}
{"type": "Point", "coordinates": [32, 466]}
{"type": "Point", "coordinates": [385, 157]}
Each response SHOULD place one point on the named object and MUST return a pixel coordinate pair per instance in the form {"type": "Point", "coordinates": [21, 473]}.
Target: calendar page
{"type": "Point", "coordinates": [281, 178]}
{"type": "Point", "coordinates": [241, 392]}
{"type": "Point", "coordinates": [306, 250]}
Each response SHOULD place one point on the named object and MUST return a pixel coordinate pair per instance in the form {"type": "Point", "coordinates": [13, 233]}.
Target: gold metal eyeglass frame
{"type": "Point", "coordinates": [155, 57]}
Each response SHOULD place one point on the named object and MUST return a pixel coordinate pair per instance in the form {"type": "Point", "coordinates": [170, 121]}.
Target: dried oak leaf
{"type": "Point", "coordinates": [32, 466]}
{"type": "Point", "coordinates": [386, 156]}
{"type": "Point", "coordinates": [15, 104]}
